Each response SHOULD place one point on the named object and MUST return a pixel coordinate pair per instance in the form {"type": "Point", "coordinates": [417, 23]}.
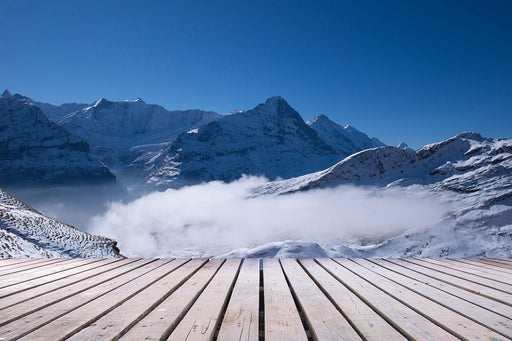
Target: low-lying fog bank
{"type": "Point", "coordinates": [215, 219]}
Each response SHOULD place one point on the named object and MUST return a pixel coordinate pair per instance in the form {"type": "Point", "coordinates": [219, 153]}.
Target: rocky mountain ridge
{"type": "Point", "coordinates": [34, 150]}
{"type": "Point", "coordinates": [25, 232]}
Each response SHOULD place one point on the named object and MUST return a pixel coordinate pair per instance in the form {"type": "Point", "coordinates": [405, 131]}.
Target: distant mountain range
{"type": "Point", "coordinates": [270, 140]}
{"type": "Point", "coordinates": [146, 144]}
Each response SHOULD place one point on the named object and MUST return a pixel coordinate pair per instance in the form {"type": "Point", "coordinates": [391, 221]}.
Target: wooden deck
{"type": "Point", "coordinates": [252, 299]}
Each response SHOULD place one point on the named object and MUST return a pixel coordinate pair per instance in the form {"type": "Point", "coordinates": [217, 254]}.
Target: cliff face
{"type": "Point", "coordinates": [34, 150]}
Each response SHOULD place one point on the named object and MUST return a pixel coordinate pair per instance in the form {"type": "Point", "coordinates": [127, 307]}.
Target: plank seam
{"type": "Point", "coordinates": [33, 266]}
{"type": "Point", "coordinates": [57, 279]}
{"type": "Point", "coordinates": [457, 285]}
{"type": "Point", "coordinates": [48, 274]}
{"type": "Point", "coordinates": [466, 268]}
{"type": "Point", "coordinates": [165, 335]}
{"type": "Point", "coordinates": [64, 297]}
{"type": "Point", "coordinates": [495, 263]}
{"type": "Point", "coordinates": [74, 308]}
{"type": "Point", "coordinates": [97, 317]}
{"type": "Point", "coordinates": [486, 268]}
{"type": "Point", "coordinates": [331, 299]}
{"type": "Point", "coordinates": [454, 275]}
{"type": "Point", "coordinates": [461, 313]}
{"type": "Point", "coordinates": [408, 305]}
{"type": "Point", "coordinates": [226, 302]}
{"type": "Point", "coordinates": [362, 298]}
{"type": "Point", "coordinates": [261, 311]}
{"type": "Point", "coordinates": [434, 278]}
{"type": "Point", "coordinates": [303, 319]}
{"type": "Point", "coordinates": [157, 303]}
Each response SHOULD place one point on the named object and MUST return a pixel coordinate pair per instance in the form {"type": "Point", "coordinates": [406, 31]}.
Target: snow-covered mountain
{"type": "Point", "coordinates": [469, 171]}
{"type": "Point", "coordinates": [25, 232]}
{"type": "Point", "coordinates": [270, 140]}
{"type": "Point", "coordinates": [346, 140]}
{"type": "Point", "coordinates": [145, 143]}
{"type": "Point", "coordinates": [119, 132]}
{"type": "Point", "coordinates": [34, 150]}
{"type": "Point", "coordinates": [446, 164]}
{"type": "Point", "coordinates": [56, 112]}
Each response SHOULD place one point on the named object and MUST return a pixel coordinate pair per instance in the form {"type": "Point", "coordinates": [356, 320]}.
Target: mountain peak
{"type": "Point", "coordinates": [275, 99]}
{"type": "Point", "coordinates": [276, 105]}
{"type": "Point", "coordinates": [102, 103]}
{"type": "Point", "coordinates": [404, 146]}
{"type": "Point", "coordinates": [139, 100]}
{"type": "Point", "coordinates": [6, 93]}
{"type": "Point", "coordinates": [470, 135]}
{"type": "Point", "coordinates": [321, 119]}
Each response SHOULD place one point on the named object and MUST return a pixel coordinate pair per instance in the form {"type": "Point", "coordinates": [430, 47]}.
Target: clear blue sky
{"type": "Point", "coordinates": [413, 71]}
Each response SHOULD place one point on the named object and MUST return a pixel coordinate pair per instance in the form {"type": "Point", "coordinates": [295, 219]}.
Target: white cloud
{"type": "Point", "coordinates": [216, 218]}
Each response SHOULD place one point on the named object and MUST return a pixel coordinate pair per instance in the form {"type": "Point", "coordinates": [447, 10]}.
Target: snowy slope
{"type": "Point", "coordinates": [25, 232]}
{"type": "Point", "coordinates": [468, 171]}
{"type": "Point", "coordinates": [270, 140]}
{"type": "Point", "coordinates": [347, 140]}
{"type": "Point", "coordinates": [119, 132]}
{"type": "Point", "coordinates": [57, 112]}
{"type": "Point", "coordinates": [381, 166]}
{"type": "Point", "coordinates": [34, 150]}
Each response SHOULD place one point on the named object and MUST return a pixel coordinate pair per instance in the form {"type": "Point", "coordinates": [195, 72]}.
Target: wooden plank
{"type": "Point", "coordinates": [411, 324]}
{"type": "Point", "coordinates": [488, 271]}
{"type": "Point", "coordinates": [23, 268]}
{"type": "Point", "coordinates": [159, 323]}
{"type": "Point", "coordinates": [200, 322]}
{"type": "Point", "coordinates": [23, 318]}
{"type": "Point", "coordinates": [495, 262]}
{"type": "Point", "coordinates": [119, 320]}
{"type": "Point", "coordinates": [74, 321]}
{"type": "Point", "coordinates": [457, 324]}
{"type": "Point", "coordinates": [370, 325]}
{"type": "Point", "coordinates": [37, 275]}
{"type": "Point", "coordinates": [407, 269]}
{"type": "Point", "coordinates": [242, 314]}
{"type": "Point", "coordinates": [28, 291]}
{"type": "Point", "coordinates": [454, 271]}
{"type": "Point", "coordinates": [324, 320]}
{"type": "Point", "coordinates": [11, 261]}
{"type": "Point", "coordinates": [432, 271]}
{"type": "Point", "coordinates": [282, 319]}
{"type": "Point", "coordinates": [488, 266]}
{"type": "Point", "coordinates": [477, 314]}
{"type": "Point", "coordinates": [481, 270]}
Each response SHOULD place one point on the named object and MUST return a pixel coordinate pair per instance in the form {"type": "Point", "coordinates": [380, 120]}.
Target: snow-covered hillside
{"type": "Point", "coordinates": [119, 132]}
{"type": "Point", "coordinates": [56, 112]}
{"type": "Point", "coordinates": [468, 171]}
{"type": "Point", "coordinates": [270, 140]}
{"type": "Point", "coordinates": [34, 150]}
{"type": "Point", "coordinates": [25, 232]}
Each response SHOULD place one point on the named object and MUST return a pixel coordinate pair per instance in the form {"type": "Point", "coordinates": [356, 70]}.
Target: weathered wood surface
{"type": "Point", "coordinates": [252, 299]}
